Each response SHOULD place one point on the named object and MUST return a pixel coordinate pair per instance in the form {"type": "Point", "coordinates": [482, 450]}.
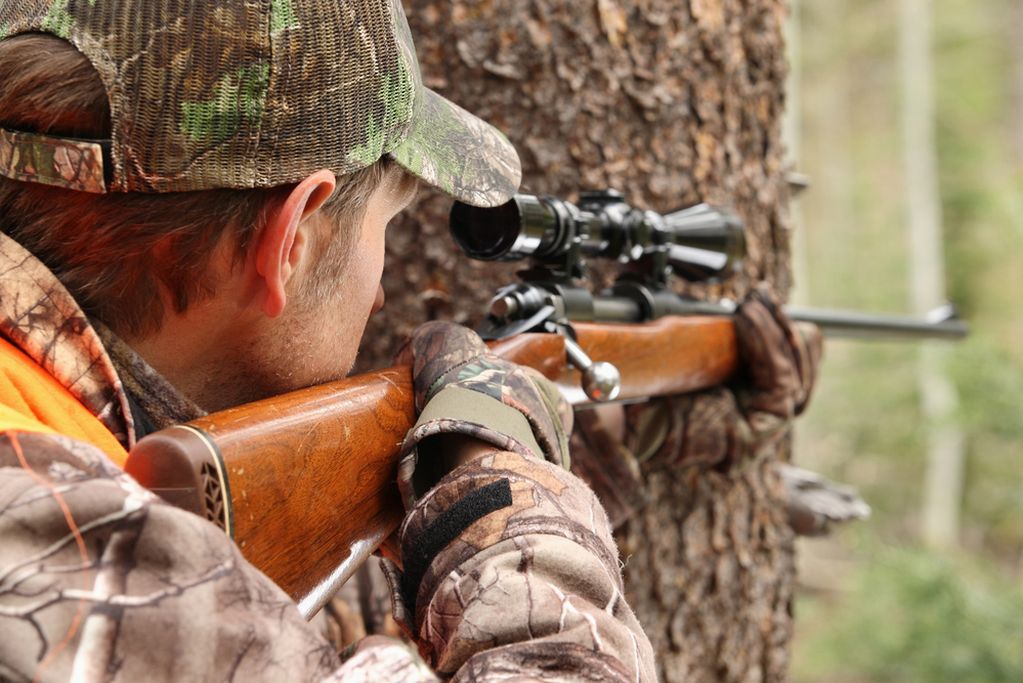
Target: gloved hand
{"type": "Point", "coordinates": [482, 541]}
{"type": "Point", "coordinates": [465, 393]}
{"type": "Point", "coordinates": [777, 367]}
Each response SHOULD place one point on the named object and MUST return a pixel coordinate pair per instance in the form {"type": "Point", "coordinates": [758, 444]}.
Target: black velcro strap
{"type": "Point", "coordinates": [417, 556]}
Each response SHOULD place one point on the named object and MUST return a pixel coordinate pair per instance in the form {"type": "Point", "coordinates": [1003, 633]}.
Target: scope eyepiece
{"type": "Point", "coordinates": [522, 227]}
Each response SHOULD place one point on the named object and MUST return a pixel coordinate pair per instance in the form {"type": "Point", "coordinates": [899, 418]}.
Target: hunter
{"type": "Point", "coordinates": [193, 205]}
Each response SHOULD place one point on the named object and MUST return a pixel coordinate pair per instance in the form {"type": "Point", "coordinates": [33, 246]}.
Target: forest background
{"type": "Point", "coordinates": [876, 602]}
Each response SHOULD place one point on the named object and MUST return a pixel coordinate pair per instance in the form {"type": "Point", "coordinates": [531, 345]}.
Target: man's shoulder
{"type": "Point", "coordinates": [51, 462]}
{"type": "Point", "coordinates": [106, 560]}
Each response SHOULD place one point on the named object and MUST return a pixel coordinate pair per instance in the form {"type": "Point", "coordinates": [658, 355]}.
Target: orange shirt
{"type": "Point", "coordinates": [33, 401]}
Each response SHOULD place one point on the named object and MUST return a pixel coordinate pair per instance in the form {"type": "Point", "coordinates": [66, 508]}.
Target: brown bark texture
{"type": "Point", "coordinates": [673, 102]}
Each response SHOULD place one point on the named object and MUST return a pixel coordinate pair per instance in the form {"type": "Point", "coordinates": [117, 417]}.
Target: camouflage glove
{"type": "Point", "coordinates": [778, 366]}
{"type": "Point", "coordinates": [463, 390]}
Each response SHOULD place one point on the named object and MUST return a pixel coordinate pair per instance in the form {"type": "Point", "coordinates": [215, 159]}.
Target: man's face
{"type": "Point", "coordinates": [316, 338]}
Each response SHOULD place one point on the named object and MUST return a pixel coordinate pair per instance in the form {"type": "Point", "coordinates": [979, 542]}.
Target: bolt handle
{"type": "Point", "coordinates": [601, 381]}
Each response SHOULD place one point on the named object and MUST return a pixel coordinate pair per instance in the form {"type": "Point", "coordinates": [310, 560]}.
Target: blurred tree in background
{"type": "Point", "coordinates": [892, 612]}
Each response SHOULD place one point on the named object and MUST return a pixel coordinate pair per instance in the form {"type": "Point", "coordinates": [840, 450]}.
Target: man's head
{"type": "Point", "coordinates": [132, 258]}
{"type": "Point", "coordinates": [191, 233]}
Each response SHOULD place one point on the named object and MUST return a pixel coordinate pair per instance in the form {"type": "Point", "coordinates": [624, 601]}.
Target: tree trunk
{"type": "Point", "coordinates": [673, 103]}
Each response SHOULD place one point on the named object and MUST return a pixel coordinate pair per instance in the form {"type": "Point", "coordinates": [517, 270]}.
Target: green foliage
{"type": "Point", "coordinates": [914, 616]}
{"type": "Point", "coordinates": [990, 383]}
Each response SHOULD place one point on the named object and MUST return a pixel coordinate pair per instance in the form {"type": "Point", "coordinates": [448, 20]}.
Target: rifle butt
{"type": "Point", "coordinates": [304, 483]}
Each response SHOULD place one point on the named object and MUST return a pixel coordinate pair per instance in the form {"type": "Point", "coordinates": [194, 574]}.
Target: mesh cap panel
{"type": "Point", "coordinates": [257, 93]}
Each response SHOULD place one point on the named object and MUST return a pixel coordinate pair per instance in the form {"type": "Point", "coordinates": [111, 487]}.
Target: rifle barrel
{"type": "Point", "coordinates": [939, 324]}
{"type": "Point", "coordinates": [856, 325]}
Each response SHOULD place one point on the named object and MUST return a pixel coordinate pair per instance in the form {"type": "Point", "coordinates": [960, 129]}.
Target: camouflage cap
{"type": "Point", "coordinates": [240, 93]}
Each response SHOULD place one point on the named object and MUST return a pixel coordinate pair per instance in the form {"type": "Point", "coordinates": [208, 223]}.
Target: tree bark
{"type": "Point", "coordinates": [673, 103]}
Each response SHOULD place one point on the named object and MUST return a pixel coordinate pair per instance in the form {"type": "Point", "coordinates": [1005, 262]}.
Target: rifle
{"type": "Point", "coordinates": [305, 482]}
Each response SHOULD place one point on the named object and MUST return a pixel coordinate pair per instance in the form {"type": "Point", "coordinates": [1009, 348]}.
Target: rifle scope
{"type": "Point", "coordinates": [700, 242]}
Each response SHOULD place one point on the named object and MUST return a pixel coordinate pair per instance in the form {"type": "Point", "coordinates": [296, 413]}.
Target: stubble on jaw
{"type": "Point", "coordinates": [286, 361]}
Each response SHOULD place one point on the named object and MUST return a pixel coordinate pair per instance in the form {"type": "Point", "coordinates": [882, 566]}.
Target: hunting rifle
{"type": "Point", "coordinates": [305, 482]}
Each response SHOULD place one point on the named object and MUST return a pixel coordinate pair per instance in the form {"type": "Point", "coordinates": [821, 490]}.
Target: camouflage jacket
{"type": "Point", "coordinates": [100, 580]}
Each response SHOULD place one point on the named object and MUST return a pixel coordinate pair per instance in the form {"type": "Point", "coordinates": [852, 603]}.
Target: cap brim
{"type": "Point", "coordinates": [459, 153]}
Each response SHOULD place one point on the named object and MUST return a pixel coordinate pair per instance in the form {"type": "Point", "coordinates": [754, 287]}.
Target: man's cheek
{"type": "Point", "coordinates": [378, 302]}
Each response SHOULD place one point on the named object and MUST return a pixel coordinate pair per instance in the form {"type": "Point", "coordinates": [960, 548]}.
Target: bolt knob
{"type": "Point", "coordinates": [602, 382]}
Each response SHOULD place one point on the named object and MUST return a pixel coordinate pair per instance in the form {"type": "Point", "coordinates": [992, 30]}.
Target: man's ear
{"type": "Point", "coordinates": [282, 242]}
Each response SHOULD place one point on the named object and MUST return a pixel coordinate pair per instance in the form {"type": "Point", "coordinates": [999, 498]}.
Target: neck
{"type": "Point", "coordinates": [190, 352]}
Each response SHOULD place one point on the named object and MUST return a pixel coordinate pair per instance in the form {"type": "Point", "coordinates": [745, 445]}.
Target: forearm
{"type": "Point", "coordinates": [510, 565]}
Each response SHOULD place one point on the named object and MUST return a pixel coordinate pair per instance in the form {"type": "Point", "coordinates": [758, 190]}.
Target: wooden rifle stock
{"type": "Point", "coordinates": [305, 482]}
